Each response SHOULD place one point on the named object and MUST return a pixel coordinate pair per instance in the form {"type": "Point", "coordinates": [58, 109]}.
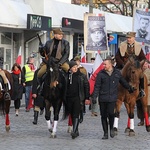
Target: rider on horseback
{"type": "Point", "coordinates": [131, 48]}
{"type": "Point", "coordinates": [59, 49]}
{"type": "Point", "coordinates": [6, 86]}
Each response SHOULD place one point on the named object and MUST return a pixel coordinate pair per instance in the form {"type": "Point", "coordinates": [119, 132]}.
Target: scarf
{"type": "Point", "coordinates": [58, 53]}
{"type": "Point", "coordinates": [16, 71]}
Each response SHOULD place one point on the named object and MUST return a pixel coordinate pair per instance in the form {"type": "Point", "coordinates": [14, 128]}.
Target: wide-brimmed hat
{"type": "Point", "coordinates": [58, 31]}
{"type": "Point", "coordinates": [130, 34]}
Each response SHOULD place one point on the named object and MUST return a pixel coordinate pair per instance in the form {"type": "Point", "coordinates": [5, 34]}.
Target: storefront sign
{"type": "Point", "coordinates": [72, 23]}
{"type": "Point", "coordinates": [37, 22]}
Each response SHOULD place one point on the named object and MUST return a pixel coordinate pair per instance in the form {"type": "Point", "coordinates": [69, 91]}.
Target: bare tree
{"type": "Point", "coordinates": [123, 7]}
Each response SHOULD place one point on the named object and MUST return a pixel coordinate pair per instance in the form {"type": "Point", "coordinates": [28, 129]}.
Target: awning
{"type": "Point", "coordinates": [13, 14]}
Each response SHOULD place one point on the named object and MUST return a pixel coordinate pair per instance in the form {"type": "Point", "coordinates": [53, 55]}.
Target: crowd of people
{"type": "Point", "coordinates": [28, 80]}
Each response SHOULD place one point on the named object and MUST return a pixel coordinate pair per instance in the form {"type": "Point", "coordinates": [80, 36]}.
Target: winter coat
{"type": "Point", "coordinates": [65, 50]}
{"type": "Point", "coordinates": [17, 87]}
{"type": "Point", "coordinates": [83, 86]}
{"type": "Point", "coordinates": [106, 86]}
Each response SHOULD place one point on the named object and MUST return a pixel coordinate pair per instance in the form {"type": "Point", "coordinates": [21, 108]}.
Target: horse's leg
{"type": "Point", "coordinates": [145, 110]}
{"type": "Point", "coordinates": [56, 105]}
{"type": "Point", "coordinates": [130, 111]}
{"type": "Point", "coordinates": [69, 124]}
{"type": "Point", "coordinates": [117, 115]}
{"type": "Point", "coordinates": [47, 115]}
{"type": "Point", "coordinates": [7, 121]}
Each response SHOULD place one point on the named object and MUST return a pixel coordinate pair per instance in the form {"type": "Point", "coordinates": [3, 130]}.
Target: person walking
{"type": "Point", "coordinates": [106, 89]}
{"type": "Point", "coordinates": [129, 48]}
{"type": "Point", "coordinates": [27, 80]}
{"type": "Point", "coordinates": [17, 91]}
{"type": "Point", "coordinates": [77, 92]}
{"type": "Point", "coordinates": [38, 99]}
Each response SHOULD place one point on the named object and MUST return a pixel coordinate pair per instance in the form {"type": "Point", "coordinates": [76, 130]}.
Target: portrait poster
{"type": "Point", "coordinates": [95, 36]}
{"type": "Point", "coordinates": [141, 25]}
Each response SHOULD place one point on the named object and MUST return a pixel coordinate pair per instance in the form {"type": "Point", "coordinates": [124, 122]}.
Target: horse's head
{"type": "Point", "coordinates": [133, 72]}
{"type": "Point", "coordinates": [53, 72]}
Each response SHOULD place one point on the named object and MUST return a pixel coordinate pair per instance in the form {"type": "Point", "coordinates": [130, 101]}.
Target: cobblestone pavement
{"type": "Point", "coordinates": [23, 135]}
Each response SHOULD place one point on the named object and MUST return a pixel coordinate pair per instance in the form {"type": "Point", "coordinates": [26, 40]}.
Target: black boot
{"type": "Point", "coordinates": [105, 128]}
{"type": "Point", "coordinates": [75, 131]}
{"type": "Point", "coordinates": [35, 117]}
{"type": "Point", "coordinates": [142, 93]}
{"type": "Point", "coordinates": [6, 94]}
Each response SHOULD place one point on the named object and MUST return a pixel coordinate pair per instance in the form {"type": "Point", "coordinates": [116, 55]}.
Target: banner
{"type": "Point", "coordinates": [95, 36]}
{"type": "Point", "coordinates": [141, 25]}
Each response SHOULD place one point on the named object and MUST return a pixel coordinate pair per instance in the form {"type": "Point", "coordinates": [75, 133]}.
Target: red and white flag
{"type": "Point", "coordinates": [98, 65]}
{"type": "Point", "coordinates": [18, 59]}
{"type": "Point", "coordinates": [83, 55]}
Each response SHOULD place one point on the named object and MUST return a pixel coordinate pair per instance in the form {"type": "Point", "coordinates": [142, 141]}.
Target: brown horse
{"type": "Point", "coordinates": [5, 105]}
{"type": "Point", "coordinates": [132, 72]}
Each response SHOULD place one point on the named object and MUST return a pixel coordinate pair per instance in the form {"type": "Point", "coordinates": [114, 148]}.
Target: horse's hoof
{"type": "Point", "coordinates": [115, 131]}
{"type": "Point", "coordinates": [148, 128]}
{"type": "Point", "coordinates": [127, 130]}
{"type": "Point", "coordinates": [7, 127]}
{"type": "Point", "coordinates": [53, 135]}
{"type": "Point", "coordinates": [50, 130]}
{"type": "Point", "coordinates": [131, 132]}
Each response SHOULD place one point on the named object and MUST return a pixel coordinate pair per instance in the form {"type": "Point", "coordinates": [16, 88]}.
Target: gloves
{"type": "Point", "coordinates": [131, 89]}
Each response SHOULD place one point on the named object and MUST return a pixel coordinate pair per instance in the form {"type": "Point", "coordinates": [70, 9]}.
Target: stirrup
{"type": "Point", "coordinates": [7, 96]}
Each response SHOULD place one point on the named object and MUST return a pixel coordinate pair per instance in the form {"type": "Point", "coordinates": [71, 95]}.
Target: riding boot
{"type": "Point", "coordinates": [105, 128]}
{"type": "Point", "coordinates": [142, 93]}
{"type": "Point", "coordinates": [6, 95]}
{"type": "Point", "coordinates": [35, 117]}
{"type": "Point", "coordinates": [75, 131]}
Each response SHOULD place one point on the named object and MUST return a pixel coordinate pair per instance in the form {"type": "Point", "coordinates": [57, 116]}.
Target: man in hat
{"type": "Point", "coordinates": [130, 47]}
{"type": "Point", "coordinates": [57, 48]}
{"type": "Point", "coordinates": [97, 37]}
{"type": "Point", "coordinates": [77, 92]}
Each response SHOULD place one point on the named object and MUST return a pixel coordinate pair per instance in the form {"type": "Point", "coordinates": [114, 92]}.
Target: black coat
{"type": "Point", "coordinates": [106, 87]}
{"type": "Point", "coordinates": [65, 50]}
{"type": "Point", "coordinates": [17, 87]}
{"type": "Point", "coordinates": [83, 86]}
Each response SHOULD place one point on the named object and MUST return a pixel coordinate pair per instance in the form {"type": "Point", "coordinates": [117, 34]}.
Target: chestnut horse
{"type": "Point", "coordinates": [131, 72]}
{"type": "Point", "coordinates": [5, 105]}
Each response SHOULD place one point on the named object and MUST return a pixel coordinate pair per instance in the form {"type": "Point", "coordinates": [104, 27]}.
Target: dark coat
{"type": "Point", "coordinates": [106, 87]}
{"type": "Point", "coordinates": [65, 50]}
{"type": "Point", "coordinates": [39, 101]}
{"type": "Point", "coordinates": [83, 86]}
{"type": "Point", "coordinates": [17, 87]}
